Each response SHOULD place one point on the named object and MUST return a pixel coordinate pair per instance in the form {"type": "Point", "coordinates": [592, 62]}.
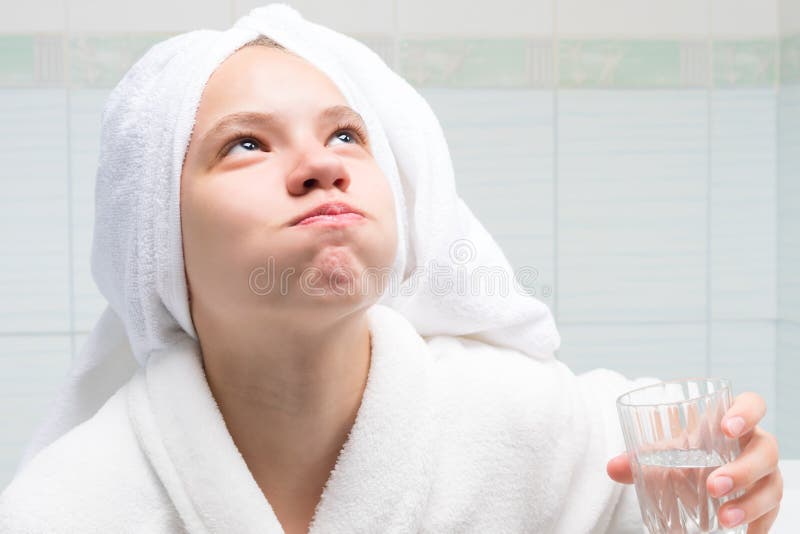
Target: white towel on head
{"type": "Point", "coordinates": [137, 259]}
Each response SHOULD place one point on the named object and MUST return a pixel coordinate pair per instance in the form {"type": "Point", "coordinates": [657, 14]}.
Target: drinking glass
{"type": "Point", "coordinates": [674, 441]}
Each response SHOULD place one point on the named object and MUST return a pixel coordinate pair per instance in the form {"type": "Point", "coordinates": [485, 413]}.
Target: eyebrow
{"type": "Point", "coordinates": [255, 119]}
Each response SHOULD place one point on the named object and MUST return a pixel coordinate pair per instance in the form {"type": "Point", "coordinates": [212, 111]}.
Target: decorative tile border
{"type": "Point", "coordinates": [745, 63]}
{"type": "Point", "coordinates": [455, 62]}
{"type": "Point", "coordinates": [32, 60]}
{"type": "Point", "coordinates": [630, 64]}
{"type": "Point", "coordinates": [790, 59]}
{"type": "Point", "coordinates": [100, 60]}
{"type": "Point", "coordinates": [16, 60]}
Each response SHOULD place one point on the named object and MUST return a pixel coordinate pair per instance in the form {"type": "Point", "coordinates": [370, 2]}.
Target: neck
{"type": "Point", "coordinates": [289, 392]}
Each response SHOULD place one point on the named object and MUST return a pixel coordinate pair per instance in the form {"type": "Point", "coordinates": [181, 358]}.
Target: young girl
{"type": "Point", "coordinates": [293, 341]}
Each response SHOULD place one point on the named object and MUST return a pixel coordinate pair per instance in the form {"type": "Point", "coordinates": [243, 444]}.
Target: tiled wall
{"type": "Point", "coordinates": [788, 341]}
{"type": "Point", "coordinates": [629, 150]}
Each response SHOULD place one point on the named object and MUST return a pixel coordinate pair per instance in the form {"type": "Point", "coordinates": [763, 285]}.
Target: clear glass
{"type": "Point", "coordinates": [674, 441]}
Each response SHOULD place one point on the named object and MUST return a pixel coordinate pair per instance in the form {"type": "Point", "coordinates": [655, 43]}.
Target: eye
{"type": "Point", "coordinates": [353, 131]}
{"type": "Point", "coordinates": [344, 133]}
{"type": "Point", "coordinates": [248, 141]}
{"type": "Point", "coordinates": [242, 139]}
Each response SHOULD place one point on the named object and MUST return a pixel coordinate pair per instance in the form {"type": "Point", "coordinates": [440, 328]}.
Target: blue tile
{"type": "Point", "coordinates": [501, 143]}
{"type": "Point", "coordinates": [787, 371]}
{"type": "Point", "coordinates": [632, 196]}
{"type": "Point", "coordinates": [789, 203]}
{"type": "Point", "coordinates": [663, 351]}
{"type": "Point", "coordinates": [743, 204]}
{"type": "Point", "coordinates": [788, 354]}
{"type": "Point", "coordinates": [34, 224]}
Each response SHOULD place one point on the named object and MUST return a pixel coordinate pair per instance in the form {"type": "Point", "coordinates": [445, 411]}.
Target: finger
{"type": "Point", "coordinates": [764, 523]}
{"type": "Point", "coordinates": [757, 460]}
{"type": "Point", "coordinates": [757, 501]}
{"type": "Point", "coordinates": [619, 469]}
{"type": "Point", "coordinates": [747, 410]}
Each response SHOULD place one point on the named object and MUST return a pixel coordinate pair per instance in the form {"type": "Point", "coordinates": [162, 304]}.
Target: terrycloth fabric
{"type": "Point", "coordinates": [137, 259]}
{"type": "Point", "coordinates": [453, 436]}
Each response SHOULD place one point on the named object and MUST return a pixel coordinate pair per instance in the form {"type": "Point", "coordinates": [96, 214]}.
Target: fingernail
{"type": "Point", "coordinates": [732, 516]}
{"type": "Point", "coordinates": [735, 425]}
{"type": "Point", "coordinates": [722, 485]}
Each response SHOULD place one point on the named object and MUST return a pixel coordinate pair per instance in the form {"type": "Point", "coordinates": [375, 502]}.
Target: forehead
{"type": "Point", "coordinates": [260, 88]}
{"type": "Point", "coordinates": [268, 79]}
{"type": "Point", "coordinates": [259, 70]}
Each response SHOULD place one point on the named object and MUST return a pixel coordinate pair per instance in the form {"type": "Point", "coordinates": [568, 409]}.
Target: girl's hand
{"type": "Point", "coordinates": [755, 470]}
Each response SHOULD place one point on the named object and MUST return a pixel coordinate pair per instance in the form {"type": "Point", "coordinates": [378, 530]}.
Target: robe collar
{"type": "Point", "coordinates": [384, 471]}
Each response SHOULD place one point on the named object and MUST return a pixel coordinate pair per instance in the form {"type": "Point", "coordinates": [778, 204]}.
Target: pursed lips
{"type": "Point", "coordinates": [331, 212]}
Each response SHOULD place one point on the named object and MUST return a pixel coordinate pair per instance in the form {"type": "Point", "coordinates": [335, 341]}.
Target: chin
{"type": "Point", "coordinates": [321, 309]}
{"type": "Point", "coordinates": [345, 287]}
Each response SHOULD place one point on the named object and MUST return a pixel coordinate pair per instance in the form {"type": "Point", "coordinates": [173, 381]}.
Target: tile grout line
{"type": "Point", "coordinates": [554, 71]}
{"type": "Point", "coordinates": [778, 152]}
{"type": "Point", "coordinates": [70, 225]}
{"type": "Point", "coordinates": [709, 181]}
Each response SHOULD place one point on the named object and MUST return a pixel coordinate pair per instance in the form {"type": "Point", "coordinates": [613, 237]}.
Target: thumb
{"type": "Point", "coordinates": [619, 469]}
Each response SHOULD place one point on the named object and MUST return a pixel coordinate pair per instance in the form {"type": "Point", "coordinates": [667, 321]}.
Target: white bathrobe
{"type": "Point", "coordinates": [452, 436]}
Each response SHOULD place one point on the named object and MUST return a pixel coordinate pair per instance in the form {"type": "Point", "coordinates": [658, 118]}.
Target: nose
{"type": "Point", "coordinates": [318, 168]}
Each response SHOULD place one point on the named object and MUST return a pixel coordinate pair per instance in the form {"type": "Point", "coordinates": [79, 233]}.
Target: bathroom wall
{"type": "Point", "coordinates": [641, 155]}
{"type": "Point", "coordinates": [788, 363]}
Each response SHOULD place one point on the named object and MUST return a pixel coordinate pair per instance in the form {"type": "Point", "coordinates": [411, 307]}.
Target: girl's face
{"type": "Point", "coordinates": [274, 138]}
